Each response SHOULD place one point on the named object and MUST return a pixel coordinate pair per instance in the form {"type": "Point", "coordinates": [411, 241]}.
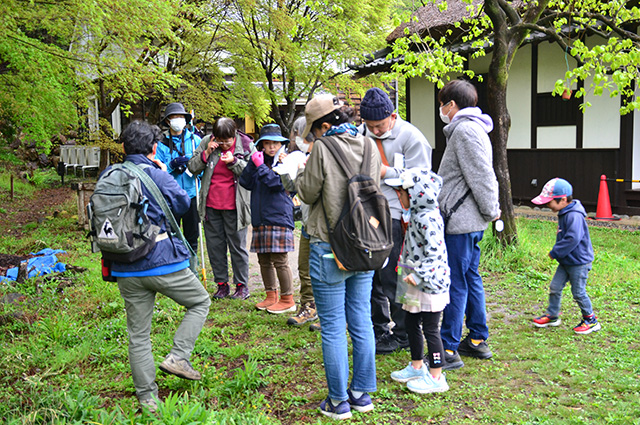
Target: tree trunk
{"type": "Point", "coordinates": [497, 101]}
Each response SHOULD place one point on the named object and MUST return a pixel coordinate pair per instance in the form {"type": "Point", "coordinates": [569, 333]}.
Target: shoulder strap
{"type": "Point", "coordinates": [338, 154]}
{"type": "Point", "coordinates": [155, 192]}
{"type": "Point", "coordinates": [382, 155]}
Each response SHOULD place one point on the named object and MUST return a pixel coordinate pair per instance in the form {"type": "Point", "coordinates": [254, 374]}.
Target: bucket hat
{"type": "Point", "coordinates": [175, 109]}
{"type": "Point", "coordinates": [271, 132]}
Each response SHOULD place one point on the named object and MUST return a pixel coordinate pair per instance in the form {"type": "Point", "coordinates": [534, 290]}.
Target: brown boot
{"type": "Point", "coordinates": [272, 298]}
{"type": "Point", "coordinates": [285, 304]}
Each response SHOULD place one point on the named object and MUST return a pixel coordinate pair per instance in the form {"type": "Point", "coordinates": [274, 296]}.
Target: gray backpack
{"type": "Point", "coordinates": [117, 212]}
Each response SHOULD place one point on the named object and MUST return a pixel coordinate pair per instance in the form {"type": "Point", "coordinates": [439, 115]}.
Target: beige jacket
{"type": "Point", "coordinates": [322, 181]}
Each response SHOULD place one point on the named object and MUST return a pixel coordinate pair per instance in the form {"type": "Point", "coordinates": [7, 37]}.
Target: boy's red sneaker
{"type": "Point", "coordinates": [546, 320]}
{"type": "Point", "coordinates": [588, 325]}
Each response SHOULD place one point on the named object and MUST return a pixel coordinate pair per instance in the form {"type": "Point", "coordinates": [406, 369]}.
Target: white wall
{"type": "Point", "coordinates": [601, 121]}
{"type": "Point", "coordinates": [519, 100]}
{"type": "Point", "coordinates": [422, 106]}
{"type": "Point", "coordinates": [552, 66]}
{"type": "Point", "coordinates": [558, 137]}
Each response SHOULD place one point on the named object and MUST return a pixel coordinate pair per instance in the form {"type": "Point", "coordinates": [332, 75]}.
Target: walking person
{"type": "Point", "coordinates": [175, 151]}
{"type": "Point", "coordinates": [164, 270]}
{"type": "Point", "coordinates": [223, 204]}
{"type": "Point", "coordinates": [423, 280]}
{"type": "Point", "coordinates": [574, 254]}
{"type": "Point", "coordinates": [469, 198]}
{"type": "Point", "coordinates": [271, 219]}
{"type": "Point", "coordinates": [342, 297]}
{"type": "Point", "coordinates": [395, 138]}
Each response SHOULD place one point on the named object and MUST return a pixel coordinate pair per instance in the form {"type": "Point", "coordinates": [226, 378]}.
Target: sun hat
{"type": "Point", "coordinates": [175, 109]}
{"type": "Point", "coordinates": [375, 105]}
{"type": "Point", "coordinates": [271, 132]}
{"type": "Point", "coordinates": [555, 188]}
{"type": "Point", "coordinates": [317, 108]}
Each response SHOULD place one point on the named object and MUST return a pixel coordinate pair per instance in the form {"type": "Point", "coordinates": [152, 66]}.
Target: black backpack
{"type": "Point", "coordinates": [362, 237]}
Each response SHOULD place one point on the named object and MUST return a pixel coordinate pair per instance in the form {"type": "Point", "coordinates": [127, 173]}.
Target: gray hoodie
{"type": "Point", "coordinates": [467, 163]}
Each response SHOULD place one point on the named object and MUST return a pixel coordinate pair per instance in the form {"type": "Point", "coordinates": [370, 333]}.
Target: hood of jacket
{"type": "Point", "coordinates": [574, 206]}
{"type": "Point", "coordinates": [472, 114]}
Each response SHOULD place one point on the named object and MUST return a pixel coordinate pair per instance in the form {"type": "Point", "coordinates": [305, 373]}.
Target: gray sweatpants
{"type": "Point", "coordinates": [139, 294]}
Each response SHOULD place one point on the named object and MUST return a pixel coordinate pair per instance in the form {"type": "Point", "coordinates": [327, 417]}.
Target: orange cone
{"type": "Point", "coordinates": [603, 210]}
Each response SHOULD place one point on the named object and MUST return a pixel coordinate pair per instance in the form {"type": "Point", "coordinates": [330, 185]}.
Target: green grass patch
{"type": "Point", "coordinates": [64, 360]}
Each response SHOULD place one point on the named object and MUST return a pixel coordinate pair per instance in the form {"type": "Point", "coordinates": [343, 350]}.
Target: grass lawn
{"type": "Point", "coordinates": [63, 350]}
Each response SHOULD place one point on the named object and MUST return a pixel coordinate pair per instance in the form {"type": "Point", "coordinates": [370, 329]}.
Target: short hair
{"type": "Point", "coordinates": [198, 121]}
{"type": "Point", "coordinates": [460, 91]}
{"type": "Point", "coordinates": [224, 128]}
{"type": "Point", "coordinates": [335, 117]}
{"type": "Point", "coordinates": [139, 137]}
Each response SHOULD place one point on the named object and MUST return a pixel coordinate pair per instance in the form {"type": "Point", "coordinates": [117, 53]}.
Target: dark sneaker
{"type": "Point", "coordinates": [223, 290]}
{"type": "Point", "coordinates": [587, 325]}
{"type": "Point", "coordinates": [242, 292]}
{"type": "Point", "coordinates": [315, 327]}
{"type": "Point", "coordinates": [341, 411]}
{"type": "Point", "coordinates": [180, 368]}
{"type": "Point", "coordinates": [306, 313]}
{"type": "Point", "coordinates": [386, 344]}
{"type": "Point", "coordinates": [362, 404]}
{"type": "Point", "coordinates": [546, 320]}
{"type": "Point", "coordinates": [469, 349]}
{"type": "Point", "coordinates": [452, 361]}
{"type": "Point", "coordinates": [403, 344]}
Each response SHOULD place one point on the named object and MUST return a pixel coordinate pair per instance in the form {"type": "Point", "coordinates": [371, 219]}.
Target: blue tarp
{"type": "Point", "coordinates": [46, 262]}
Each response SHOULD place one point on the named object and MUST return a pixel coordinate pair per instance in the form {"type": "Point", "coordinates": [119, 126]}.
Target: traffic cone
{"type": "Point", "coordinates": [603, 210]}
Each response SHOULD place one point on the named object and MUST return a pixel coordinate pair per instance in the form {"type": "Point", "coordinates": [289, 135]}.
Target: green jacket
{"type": "Point", "coordinates": [243, 150]}
{"type": "Point", "coordinates": [322, 181]}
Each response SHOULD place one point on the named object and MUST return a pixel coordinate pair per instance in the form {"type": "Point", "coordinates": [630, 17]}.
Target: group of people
{"type": "Point", "coordinates": [428, 289]}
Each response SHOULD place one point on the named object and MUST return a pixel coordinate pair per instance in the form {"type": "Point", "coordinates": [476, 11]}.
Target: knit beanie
{"type": "Point", "coordinates": [375, 105]}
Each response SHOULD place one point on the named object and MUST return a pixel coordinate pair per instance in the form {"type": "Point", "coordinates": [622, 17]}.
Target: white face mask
{"type": "Point", "coordinates": [300, 143]}
{"type": "Point", "coordinates": [385, 135]}
{"type": "Point", "coordinates": [445, 118]}
{"type": "Point", "coordinates": [177, 124]}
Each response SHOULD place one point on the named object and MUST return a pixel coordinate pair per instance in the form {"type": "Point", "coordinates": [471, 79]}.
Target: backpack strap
{"type": "Point", "coordinates": [155, 192]}
{"type": "Point", "coordinates": [338, 154]}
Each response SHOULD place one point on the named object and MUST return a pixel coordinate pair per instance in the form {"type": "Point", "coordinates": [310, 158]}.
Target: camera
{"type": "Point", "coordinates": [180, 168]}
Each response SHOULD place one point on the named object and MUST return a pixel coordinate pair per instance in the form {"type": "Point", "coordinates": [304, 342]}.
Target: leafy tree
{"type": "Point", "coordinates": [285, 50]}
{"type": "Point", "coordinates": [499, 27]}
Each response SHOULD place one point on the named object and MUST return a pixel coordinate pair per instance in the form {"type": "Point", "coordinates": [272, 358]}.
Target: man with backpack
{"type": "Point", "coordinates": [175, 151]}
{"type": "Point", "coordinates": [164, 269]}
{"type": "Point", "coordinates": [395, 138]}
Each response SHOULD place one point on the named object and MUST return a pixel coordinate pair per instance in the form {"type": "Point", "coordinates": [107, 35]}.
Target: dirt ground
{"type": "Point", "coordinates": [49, 202]}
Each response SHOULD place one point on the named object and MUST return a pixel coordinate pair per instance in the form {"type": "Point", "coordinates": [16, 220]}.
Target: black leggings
{"type": "Point", "coordinates": [430, 326]}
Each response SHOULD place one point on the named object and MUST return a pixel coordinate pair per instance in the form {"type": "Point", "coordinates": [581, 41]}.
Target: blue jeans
{"type": "Point", "coordinates": [466, 291]}
{"type": "Point", "coordinates": [343, 298]}
{"type": "Point", "coordinates": [577, 275]}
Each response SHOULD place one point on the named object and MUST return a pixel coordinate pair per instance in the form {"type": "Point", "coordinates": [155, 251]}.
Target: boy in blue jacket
{"type": "Point", "coordinates": [572, 251]}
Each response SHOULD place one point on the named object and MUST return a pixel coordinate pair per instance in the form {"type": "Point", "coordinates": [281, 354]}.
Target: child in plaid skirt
{"type": "Point", "coordinates": [271, 219]}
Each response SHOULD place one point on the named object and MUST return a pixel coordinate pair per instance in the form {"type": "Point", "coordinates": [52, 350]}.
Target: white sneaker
{"type": "Point", "coordinates": [179, 367]}
{"type": "Point", "coordinates": [428, 385]}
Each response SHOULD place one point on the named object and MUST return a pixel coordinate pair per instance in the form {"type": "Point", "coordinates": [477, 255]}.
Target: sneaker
{"type": "Point", "coordinates": [386, 344]}
{"type": "Point", "coordinates": [469, 349]}
{"type": "Point", "coordinates": [408, 373]}
{"type": "Point", "coordinates": [403, 344]}
{"type": "Point", "coordinates": [341, 411]}
{"type": "Point", "coordinates": [588, 325]}
{"type": "Point", "coordinates": [452, 361]}
{"type": "Point", "coordinates": [315, 327]}
{"type": "Point", "coordinates": [149, 404]}
{"type": "Point", "coordinates": [179, 367]}
{"type": "Point", "coordinates": [546, 320]}
{"type": "Point", "coordinates": [362, 404]}
{"type": "Point", "coordinates": [223, 290]}
{"type": "Point", "coordinates": [242, 292]}
{"type": "Point", "coordinates": [306, 313]}
{"type": "Point", "coordinates": [427, 384]}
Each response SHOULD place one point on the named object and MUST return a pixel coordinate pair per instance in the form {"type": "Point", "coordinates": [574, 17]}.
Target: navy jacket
{"type": "Point", "coordinates": [271, 205]}
{"type": "Point", "coordinates": [171, 250]}
{"type": "Point", "coordinates": [573, 244]}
